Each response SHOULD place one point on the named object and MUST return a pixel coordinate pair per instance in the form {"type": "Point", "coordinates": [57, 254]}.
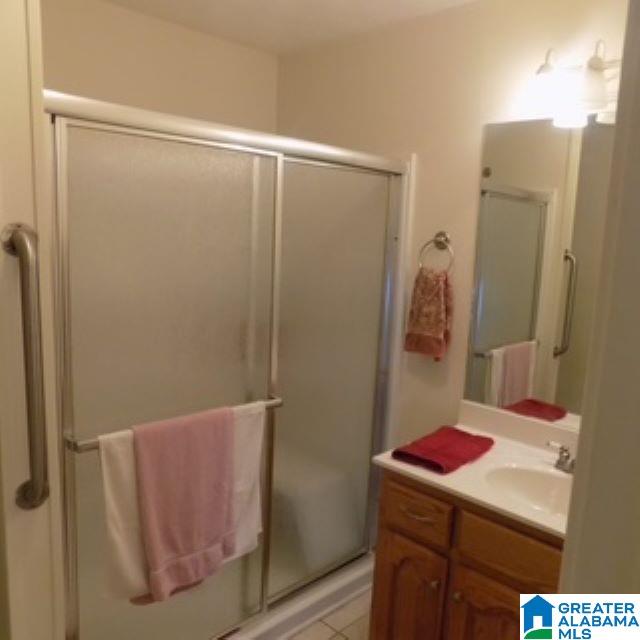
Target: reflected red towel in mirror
{"type": "Point", "coordinates": [538, 409]}
{"type": "Point", "coordinates": [445, 450]}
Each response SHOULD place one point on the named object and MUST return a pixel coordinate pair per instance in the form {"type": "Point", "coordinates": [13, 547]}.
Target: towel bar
{"type": "Point", "coordinates": [489, 354]}
{"type": "Point", "coordinates": [82, 446]}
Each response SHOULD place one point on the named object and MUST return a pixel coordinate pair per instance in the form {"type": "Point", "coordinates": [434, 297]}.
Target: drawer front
{"type": "Point", "coordinates": [523, 560]}
{"type": "Point", "coordinates": [416, 515]}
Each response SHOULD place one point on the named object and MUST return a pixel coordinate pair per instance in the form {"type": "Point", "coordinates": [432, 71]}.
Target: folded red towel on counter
{"type": "Point", "coordinates": [445, 450]}
{"type": "Point", "coordinates": [538, 409]}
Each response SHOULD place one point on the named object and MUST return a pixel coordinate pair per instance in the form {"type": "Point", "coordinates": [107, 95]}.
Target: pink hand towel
{"type": "Point", "coordinates": [184, 469]}
{"type": "Point", "coordinates": [431, 314]}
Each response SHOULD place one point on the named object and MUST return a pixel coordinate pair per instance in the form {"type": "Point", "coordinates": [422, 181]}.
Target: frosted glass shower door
{"type": "Point", "coordinates": [334, 228]}
{"type": "Point", "coordinates": [167, 275]}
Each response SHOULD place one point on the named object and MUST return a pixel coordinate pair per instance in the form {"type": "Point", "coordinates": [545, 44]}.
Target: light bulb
{"type": "Point", "coordinates": [571, 119]}
{"type": "Point", "coordinates": [569, 111]}
{"type": "Point", "coordinates": [608, 116]}
{"type": "Point", "coordinates": [594, 90]}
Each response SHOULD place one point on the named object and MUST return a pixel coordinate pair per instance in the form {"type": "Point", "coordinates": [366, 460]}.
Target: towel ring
{"type": "Point", "coordinates": [442, 242]}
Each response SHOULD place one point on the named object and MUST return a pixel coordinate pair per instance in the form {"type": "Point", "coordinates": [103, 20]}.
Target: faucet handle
{"type": "Point", "coordinates": [562, 449]}
{"type": "Point", "coordinates": [564, 462]}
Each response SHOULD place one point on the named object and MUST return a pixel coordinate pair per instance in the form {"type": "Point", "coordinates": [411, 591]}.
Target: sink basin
{"type": "Point", "coordinates": [547, 491]}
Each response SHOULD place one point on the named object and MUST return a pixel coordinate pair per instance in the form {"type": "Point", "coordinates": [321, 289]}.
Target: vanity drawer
{"type": "Point", "coordinates": [523, 560]}
{"type": "Point", "coordinates": [417, 515]}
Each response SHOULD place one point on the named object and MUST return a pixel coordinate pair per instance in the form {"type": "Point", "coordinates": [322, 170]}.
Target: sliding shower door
{"type": "Point", "coordinates": [334, 235]}
{"type": "Point", "coordinates": [170, 250]}
{"type": "Point", "coordinates": [511, 232]}
{"type": "Point", "coordinates": [166, 279]}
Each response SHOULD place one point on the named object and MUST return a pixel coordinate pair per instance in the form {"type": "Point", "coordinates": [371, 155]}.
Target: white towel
{"type": "Point", "coordinates": [511, 374]}
{"type": "Point", "coordinates": [247, 504]}
{"type": "Point", "coordinates": [127, 565]}
{"type": "Point", "coordinates": [494, 380]}
{"type": "Point", "coordinates": [519, 364]}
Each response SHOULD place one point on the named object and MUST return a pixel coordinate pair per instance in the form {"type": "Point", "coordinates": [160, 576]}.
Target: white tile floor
{"type": "Point", "coordinates": [349, 622]}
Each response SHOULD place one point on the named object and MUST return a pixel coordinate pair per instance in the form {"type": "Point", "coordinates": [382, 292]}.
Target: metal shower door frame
{"type": "Point", "coordinates": [543, 201]}
{"type": "Point", "coordinates": [255, 145]}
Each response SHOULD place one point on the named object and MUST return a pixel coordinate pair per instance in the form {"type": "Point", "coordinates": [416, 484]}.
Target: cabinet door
{"type": "Point", "coordinates": [408, 591]}
{"type": "Point", "coordinates": [481, 609]}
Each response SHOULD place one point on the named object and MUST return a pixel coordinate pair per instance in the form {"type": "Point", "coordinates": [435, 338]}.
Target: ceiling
{"type": "Point", "coordinates": [281, 26]}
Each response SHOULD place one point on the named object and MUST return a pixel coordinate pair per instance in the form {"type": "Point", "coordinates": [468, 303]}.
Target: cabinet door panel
{"type": "Point", "coordinates": [482, 609]}
{"type": "Point", "coordinates": [409, 590]}
{"type": "Point", "coordinates": [529, 563]}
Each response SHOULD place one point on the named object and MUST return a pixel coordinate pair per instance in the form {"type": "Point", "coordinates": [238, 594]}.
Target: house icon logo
{"type": "Point", "coordinates": [537, 619]}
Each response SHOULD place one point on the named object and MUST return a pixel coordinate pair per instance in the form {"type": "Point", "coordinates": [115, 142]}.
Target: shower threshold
{"type": "Point", "coordinates": [295, 612]}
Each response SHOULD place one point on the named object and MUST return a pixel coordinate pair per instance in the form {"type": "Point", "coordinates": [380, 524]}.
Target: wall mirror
{"type": "Point", "coordinates": [542, 205]}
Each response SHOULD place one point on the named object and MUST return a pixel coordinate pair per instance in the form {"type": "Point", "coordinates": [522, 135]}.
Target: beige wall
{"type": "Point", "coordinates": [99, 50]}
{"type": "Point", "coordinates": [429, 86]}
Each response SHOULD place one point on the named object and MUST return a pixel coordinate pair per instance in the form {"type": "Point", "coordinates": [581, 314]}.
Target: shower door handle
{"type": "Point", "coordinates": [569, 304]}
{"type": "Point", "coordinates": [21, 241]}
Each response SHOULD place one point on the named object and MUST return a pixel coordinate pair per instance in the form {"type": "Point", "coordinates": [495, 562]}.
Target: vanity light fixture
{"type": "Point", "coordinates": [574, 92]}
{"type": "Point", "coordinates": [570, 111]}
{"type": "Point", "coordinates": [607, 73]}
{"type": "Point", "coordinates": [549, 64]}
{"type": "Point", "coordinates": [560, 89]}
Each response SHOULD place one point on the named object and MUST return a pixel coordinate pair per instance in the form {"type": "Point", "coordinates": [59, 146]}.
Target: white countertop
{"type": "Point", "coordinates": [471, 483]}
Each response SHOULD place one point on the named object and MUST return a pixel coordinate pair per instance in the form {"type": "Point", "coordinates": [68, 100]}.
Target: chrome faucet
{"type": "Point", "coordinates": [565, 462]}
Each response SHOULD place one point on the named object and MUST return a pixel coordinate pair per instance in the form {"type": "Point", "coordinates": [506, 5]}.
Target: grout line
{"type": "Point", "coordinates": [332, 629]}
{"type": "Point", "coordinates": [357, 620]}
{"type": "Point", "coordinates": [330, 626]}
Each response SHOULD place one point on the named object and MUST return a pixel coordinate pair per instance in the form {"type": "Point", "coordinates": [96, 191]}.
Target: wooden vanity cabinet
{"type": "Point", "coordinates": [481, 608]}
{"type": "Point", "coordinates": [449, 570]}
{"type": "Point", "coordinates": [411, 589]}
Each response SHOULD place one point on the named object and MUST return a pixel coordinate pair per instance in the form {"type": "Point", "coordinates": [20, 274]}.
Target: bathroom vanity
{"type": "Point", "coordinates": [454, 552]}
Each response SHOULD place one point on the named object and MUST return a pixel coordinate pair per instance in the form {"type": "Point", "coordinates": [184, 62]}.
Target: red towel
{"type": "Point", "coordinates": [538, 409]}
{"type": "Point", "coordinates": [431, 314]}
{"type": "Point", "coordinates": [445, 450]}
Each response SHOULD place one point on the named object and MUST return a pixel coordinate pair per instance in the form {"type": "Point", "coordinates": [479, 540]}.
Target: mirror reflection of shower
{"type": "Point", "coordinates": [539, 249]}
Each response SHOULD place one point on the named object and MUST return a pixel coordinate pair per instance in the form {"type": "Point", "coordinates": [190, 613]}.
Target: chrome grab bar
{"type": "Point", "coordinates": [82, 446]}
{"type": "Point", "coordinates": [569, 304]}
{"type": "Point", "coordinates": [21, 241]}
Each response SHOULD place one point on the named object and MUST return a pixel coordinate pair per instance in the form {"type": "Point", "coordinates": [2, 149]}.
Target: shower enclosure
{"type": "Point", "coordinates": [200, 266]}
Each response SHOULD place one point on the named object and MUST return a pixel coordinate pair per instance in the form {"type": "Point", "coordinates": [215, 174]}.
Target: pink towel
{"type": "Point", "coordinates": [518, 363]}
{"type": "Point", "coordinates": [184, 470]}
{"type": "Point", "coordinates": [430, 317]}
